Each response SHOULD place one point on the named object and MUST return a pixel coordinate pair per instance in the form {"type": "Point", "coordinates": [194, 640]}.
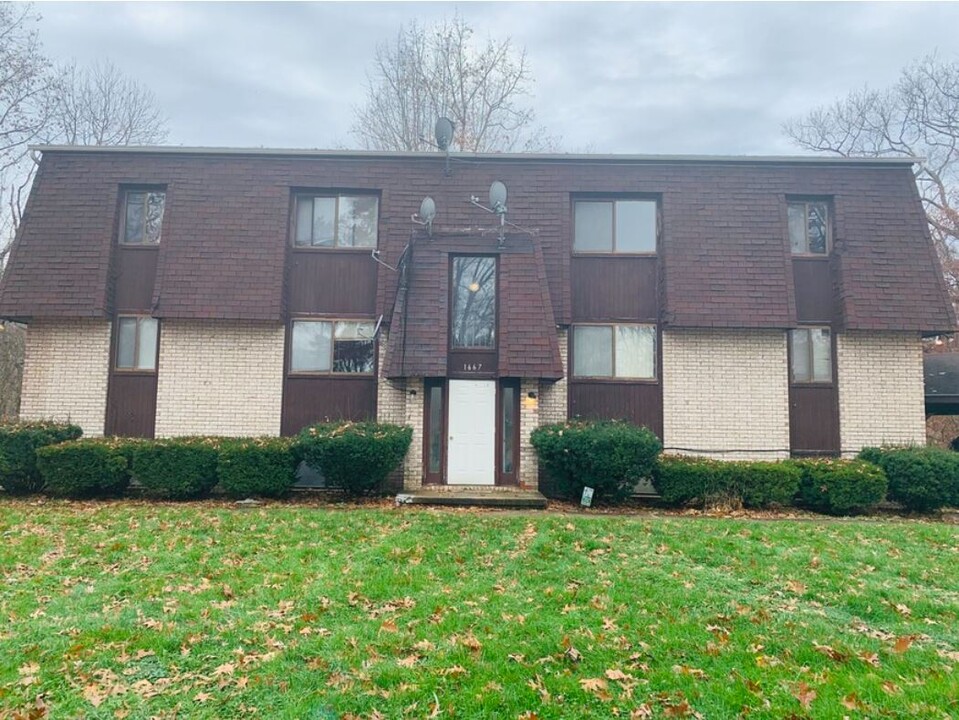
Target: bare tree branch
{"type": "Point", "coordinates": [427, 73]}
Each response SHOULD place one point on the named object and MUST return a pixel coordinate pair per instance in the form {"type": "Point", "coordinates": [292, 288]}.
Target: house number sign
{"type": "Point", "coordinates": [472, 367]}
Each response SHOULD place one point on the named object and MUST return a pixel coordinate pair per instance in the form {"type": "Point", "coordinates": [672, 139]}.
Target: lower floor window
{"type": "Point", "coordinates": [137, 343]}
{"type": "Point", "coordinates": [615, 351]}
{"type": "Point", "coordinates": [811, 351]}
{"type": "Point", "coordinates": [323, 346]}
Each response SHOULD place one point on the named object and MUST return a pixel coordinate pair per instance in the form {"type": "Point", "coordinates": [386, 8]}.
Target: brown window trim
{"type": "Point", "coordinates": [131, 371]}
{"type": "Point", "coordinates": [806, 202]}
{"type": "Point", "coordinates": [831, 382]}
{"type": "Point", "coordinates": [335, 195]}
{"type": "Point", "coordinates": [125, 190]}
{"type": "Point", "coordinates": [613, 379]}
{"type": "Point", "coordinates": [330, 373]}
{"type": "Point", "coordinates": [450, 347]}
{"type": "Point", "coordinates": [614, 199]}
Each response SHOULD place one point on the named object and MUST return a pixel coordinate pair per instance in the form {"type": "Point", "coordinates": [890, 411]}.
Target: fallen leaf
{"type": "Point", "coordinates": [903, 643]}
{"type": "Point", "coordinates": [804, 694]}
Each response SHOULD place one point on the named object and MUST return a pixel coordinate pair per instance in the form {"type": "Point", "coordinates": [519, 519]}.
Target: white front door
{"type": "Point", "coordinates": [471, 451]}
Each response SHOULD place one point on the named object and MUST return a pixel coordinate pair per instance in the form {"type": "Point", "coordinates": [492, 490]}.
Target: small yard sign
{"type": "Point", "coordinates": [587, 497]}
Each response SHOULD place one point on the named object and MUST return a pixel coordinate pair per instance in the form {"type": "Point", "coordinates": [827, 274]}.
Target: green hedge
{"type": "Point", "coordinates": [260, 467]}
{"type": "Point", "coordinates": [355, 457]}
{"type": "Point", "coordinates": [681, 480]}
{"type": "Point", "coordinates": [93, 467]}
{"type": "Point", "coordinates": [18, 445]}
{"type": "Point", "coordinates": [606, 455]}
{"type": "Point", "coordinates": [178, 468]}
{"type": "Point", "coordinates": [920, 478]}
{"type": "Point", "coordinates": [841, 487]}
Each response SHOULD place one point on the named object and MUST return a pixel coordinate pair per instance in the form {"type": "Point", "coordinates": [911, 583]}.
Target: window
{"type": "Point", "coordinates": [808, 228]}
{"type": "Point", "coordinates": [811, 350]}
{"type": "Point", "coordinates": [435, 427]}
{"type": "Point", "coordinates": [327, 346]}
{"type": "Point", "coordinates": [614, 351]}
{"type": "Point", "coordinates": [336, 221]}
{"type": "Point", "coordinates": [142, 217]}
{"type": "Point", "coordinates": [137, 343]}
{"type": "Point", "coordinates": [614, 226]}
{"type": "Point", "coordinates": [508, 406]}
{"type": "Point", "coordinates": [474, 302]}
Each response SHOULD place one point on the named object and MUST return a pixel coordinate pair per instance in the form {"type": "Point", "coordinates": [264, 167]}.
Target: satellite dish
{"type": "Point", "coordinates": [497, 196]}
{"type": "Point", "coordinates": [444, 133]}
{"type": "Point", "coordinates": [427, 210]}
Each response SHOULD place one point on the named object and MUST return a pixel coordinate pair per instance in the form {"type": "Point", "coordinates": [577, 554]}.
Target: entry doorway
{"type": "Point", "coordinates": [471, 431]}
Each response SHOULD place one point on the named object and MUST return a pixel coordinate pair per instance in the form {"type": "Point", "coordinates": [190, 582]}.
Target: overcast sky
{"type": "Point", "coordinates": [610, 77]}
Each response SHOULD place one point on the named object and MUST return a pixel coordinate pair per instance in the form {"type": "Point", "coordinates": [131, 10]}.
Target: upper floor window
{"type": "Point", "coordinates": [137, 343]}
{"type": "Point", "coordinates": [323, 346]}
{"type": "Point", "coordinates": [811, 352]}
{"type": "Point", "coordinates": [615, 351]}
{"type": "Point", "coordinates": [809, 228]}
{"type": "Point", "coordinates": [142, 217]}
{"type": "Point", "coordinates": [473, 287]}
{"type": "Point", "coordinates": [336, 221]}
{"type": "Point", "coordinates": [614, 226]}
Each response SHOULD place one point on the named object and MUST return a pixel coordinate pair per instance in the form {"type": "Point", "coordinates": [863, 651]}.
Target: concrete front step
{"type": "Point", "coordinates": [474, 497]}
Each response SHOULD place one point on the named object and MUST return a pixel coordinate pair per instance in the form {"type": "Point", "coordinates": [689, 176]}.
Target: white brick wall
{"type": "Point", "coordinates": [553, 395]}
{"type": "Point", "coordinates": [65, 372]}
{"type": "Point", "coordinates": [413, 469]}
{"type": "Point", "coordinates": [219, 377]}
{"type": "Point", "coordinates": [881, 394]}
{"type": "Point", "coordinates": [530, 418]}
{"type": "Point", "coordinates": [725, 393]}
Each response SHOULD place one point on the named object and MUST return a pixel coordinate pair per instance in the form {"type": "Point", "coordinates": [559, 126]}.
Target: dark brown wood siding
{"type": "Point", "coordinates": [332, 282]}
{"type": "Point", "coordinates": [618, 287]}
{"type": "Point", "coordinates": [131, 404]}
{"type": "Point", "coordinates": [136, 270]}
{"type": "Point", "coordinates": [815, 290]}
{"type": "Point", "coordinates": [308, 400]}
{"type": "Point", "coordinates": [813, 420]}
{"type": "Point", "coordinates": [640, 403]}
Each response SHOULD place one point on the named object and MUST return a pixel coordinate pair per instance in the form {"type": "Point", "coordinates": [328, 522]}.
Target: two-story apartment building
{"type": "Point", "coordinates": [739, 307]}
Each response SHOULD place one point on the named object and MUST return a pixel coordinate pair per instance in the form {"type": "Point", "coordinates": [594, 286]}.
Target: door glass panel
{"type": "Point", "coordinates": [126, 342]}
{"type": "Point", "coordinates": [311, 347]}
{"type": "Point", "coordinates": [636, 226]}
{"type": "Point", "coordinates": [474, 302]}
{"type": "Point", "coordinates": [800, 355]}
{"type": "Point", "coordinates": [593, 351]}
{"type": "Point", "coordinates": [147, 344]}
{"type": "Point", "coordinates": [593, 231]}
{"type": "Point", "coordinates": [509, 410]}
{"type": "Point", "coordinates": [822, 355]}
{"type": "Point", "coordinates": [635, 352]}
{"type": "Point", "coordinates": [436, 429]}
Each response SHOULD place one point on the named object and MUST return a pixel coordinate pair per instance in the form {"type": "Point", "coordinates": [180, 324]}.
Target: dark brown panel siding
{"type": "Point", "coordinates": [308, 400]}
{"type": "Point", "coordinates": [815, 292]}
{"type": "Point", "coordinates": [131, 404]}
{"type": "Point", "coordinates": [640, 403]}
{"type": "Point", "coordinates": [333, 282]}
{"type": "Point", "coordinates": [614, 288]}
{"type": "Point", "coordinates": [814, 420]}
{"type": "Point", "coordinates": [135, 276]}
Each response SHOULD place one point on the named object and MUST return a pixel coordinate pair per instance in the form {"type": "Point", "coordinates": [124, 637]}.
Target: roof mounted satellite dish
{"type": "Point", "coordinates": [427, 209]}
{"type": "Point", "coordinates": [444, 133]}
{"type": "Point", "coordinates": [497, 197]}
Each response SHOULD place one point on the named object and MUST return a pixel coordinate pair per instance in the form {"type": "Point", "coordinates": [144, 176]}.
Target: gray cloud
{"type": "Point", "coordinates": [611, 77]}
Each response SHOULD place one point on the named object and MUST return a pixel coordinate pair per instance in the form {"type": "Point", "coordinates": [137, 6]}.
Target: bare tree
{"type": "Point", "coordinates": [100, 105]}
{"type": "Point", "coordinates": [440, 71]}
{"type": "Point", "coordinates": [917, 117]}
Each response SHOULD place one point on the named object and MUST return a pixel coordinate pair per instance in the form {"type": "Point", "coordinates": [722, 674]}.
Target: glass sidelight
{"type": "Point", "coordinates": [508, 432]}
{"type": "Point", "coordinates": [435, 424]}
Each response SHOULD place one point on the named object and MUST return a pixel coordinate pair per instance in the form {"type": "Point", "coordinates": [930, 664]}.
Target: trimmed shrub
{"type": "Point", "coordinates": [920, 478]}
{"type": "Point", "coordinates": [681, 480]}
{"type": "Point", "coordinates": [178, 468]}
{"type": "Point", "coordinates": [91, 467]}
{"type": "Point", "coordinates": [18, 445]}
{"type": "Point", "coordinates": [841, 487]}
{"type": "Point", "coordinates": [355, 457]}
{"type": "Point", "coordinates": [609, 456]}
{"type": "Point", "coordinates": [262, 467]}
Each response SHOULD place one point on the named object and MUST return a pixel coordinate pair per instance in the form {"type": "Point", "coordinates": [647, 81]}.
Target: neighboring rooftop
{"type": "Point", "coordinates": [484, 157]}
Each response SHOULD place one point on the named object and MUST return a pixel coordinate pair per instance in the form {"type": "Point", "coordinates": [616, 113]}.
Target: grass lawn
{"type": "Point", "coordinates": [136, 610]}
